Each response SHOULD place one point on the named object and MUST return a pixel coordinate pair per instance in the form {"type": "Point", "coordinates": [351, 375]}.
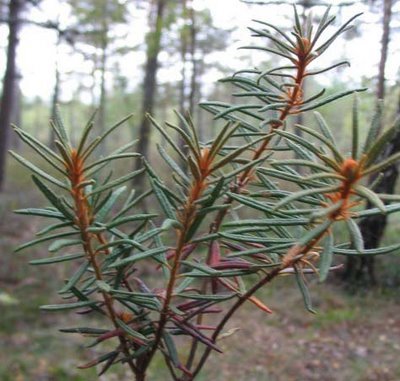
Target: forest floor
{"type": "Point", "coordinates": [353, 337]}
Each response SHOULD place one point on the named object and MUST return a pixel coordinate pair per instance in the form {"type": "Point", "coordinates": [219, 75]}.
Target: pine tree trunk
{"type": "Point", "coordinates": [8, 98]}
{"type": "Point", "coordinates": [149, 85]}
{"type": "Point", "coordinates": [183, 83]}
{"type": "Point", "coordinates": [387, 15]}
{"type": "Point", "coordinates": [193, 45]}
{"type": "Point", "coordinates": [103, 69]}
{"type": "Point", "coordinates": [16, 117]}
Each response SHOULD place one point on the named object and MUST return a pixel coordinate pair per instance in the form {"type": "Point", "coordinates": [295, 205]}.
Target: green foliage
{"type": "Point", "coordinates": [202, 252]}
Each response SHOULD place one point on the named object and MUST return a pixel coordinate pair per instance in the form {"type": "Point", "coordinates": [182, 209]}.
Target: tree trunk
{"type": "Point", "coordinates": [103, 68]}
{"type": "Point", "coordinates": [193, 43]}
{"type": "Point", "coordinates": [387, 15]}
{"type": "Point", "coordinates": [184, 48]}
{"type": "Point", "coordinates": [149, 85]}
{"type": "Point", "coordinates": [362, 269]}
{"type": "Point", "coordinates": [7, 103]}
{"type": "Point", "coordinates": [17, 114]}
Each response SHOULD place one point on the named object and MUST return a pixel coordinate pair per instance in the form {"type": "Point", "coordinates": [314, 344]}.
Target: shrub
{"type": "Point", "coordinates": [208, 260]}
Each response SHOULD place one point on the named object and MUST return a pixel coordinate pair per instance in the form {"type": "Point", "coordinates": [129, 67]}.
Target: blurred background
{"type": "Point", "coordinates": [136, 56]}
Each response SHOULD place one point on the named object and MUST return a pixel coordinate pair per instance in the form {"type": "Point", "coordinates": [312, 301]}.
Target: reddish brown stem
{"type": "Point", "coordinates": [83, 220]}
{"type": "Point", "coordinates": [303, 61]}
{"type": "Point", "coordinates": [187, 217]}
{"type": "Point", "coordinates": [294, 255]}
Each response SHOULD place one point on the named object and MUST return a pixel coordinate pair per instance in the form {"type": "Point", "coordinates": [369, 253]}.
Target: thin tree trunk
{"type": "Point", "coordinates": [149, 85]}
{"type": "Point", "coordinates": [193, 45]}
{"type": "Point", "coordinates": [200, 113]}
{"type": "Point", "coordinates": [17, 113]}
{"type": "Point", "coordinates": [387, 15]}
{"type": "Point", "coordinates": [7, 103]}
{"type": "Point", "coordinates": [182, 86]}
{"type": "Point", "coordinates": [103, 68]}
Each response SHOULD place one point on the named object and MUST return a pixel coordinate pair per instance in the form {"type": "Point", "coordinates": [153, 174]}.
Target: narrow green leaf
{"type": "Point", "coordinates": [50, 228]}
{"type": "Point", "coordinates": [220, 297]}
{"type": "Point", "coordinates": [355, 128]}
{"type": "Point", "coordinates": [382, 164]}
{"type": "Point", "coordinates": [243, 108]}
{"type": "Point", "coordinates": [44, 239]}
{"type": "Point", "coordinates": [375, 126]}
{"type": "Point", "coordinates": [58, 122]}
{"type": "Point", "coordinates": [38, 171]}
{"type": "Point", "coordinates": [114, 183]}
{"type": "Point", "coordinates": [303, 193]}
{"type": "Point", "coordinates": [371, 196]}
{"type": "Point", "coordinates": [378, 146]}
{"type": "Point", "coordinates": [324, 70]}
{"type": "Point", "coordinates": [171, 348]}
{"type": "Point", "coordinates": [61, 243]}
{"type": "Point", "coordinates": [304, 290]}
{"type": "Point", "coordinates": [53, 198]}
{"type": "Point", "coordinates": [268, 222]}
{"type": "Point", "coordinates": [172, 164]}
{"type": "Point", "coordinates": [231, 156]}
{"type": "Point", "coordinates": [129, 242]}
{"type": "Point", "coordinates": [140, 256]}
{"type": "Point", "coordinates": [315, 233]}
{"type": "Point", "coordinates": [163, 200]}
{"type": "Point", "coordinates": [69, 306]}
{"type": "Point", "coordinates": [105, 209]}
{"type": "Point", "coordinates": [75, 278]}
{"type": "Point", "coordinates": [85, 133]}
{"type": "Point", "coordinates": [338, 156]}
{"type": "Point", "coordinates": [103, 286]}
{"type": "Point", "coordinates": [130, 331]}
{"type": "Point", "coordinates": [111, 158]}
{"type": "Point", "coordinates": [355, 235]}
{"type": "Point", "coordinates": [84, 330]}
{"type": "Point", "coordinates": [51, 260]}
{"type": "Point", "coordinates": [131, 202]}
{"type": "Point", "coordinates": [40, 212]}
{"type": "Point", "coordinates": [167, 138]}
{"type": "Point", "coordinates": [46, 153]}
{"type": "Point", "coordinates": [187, 139]}
{"type": "Point", "coordinates": [378, 251]}
{"type": "Point", "coordinates": [330, 99]}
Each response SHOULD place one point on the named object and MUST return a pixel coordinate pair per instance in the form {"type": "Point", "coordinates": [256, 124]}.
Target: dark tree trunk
{"type": "Point", "coordinates": [193, 45]}
{"type": "Point", "coordinates": [387, 15]}
{"type": "Point", "coordinates": [7, 103]}
{"type": "Point", "coordinates": [103, 68]}
{"type": "Point", "coordinates": [362, 269]}
{"type": "Point", "coordinates": [183, 52]}
{"type": "Point", "coordinates": [199, 114]}
{"type": "Point", "coordinates": [17, 114]}
{"type": "Point", "coordinates": [149, 85]}
{"type": "Point", "coordinates": [183, 104]}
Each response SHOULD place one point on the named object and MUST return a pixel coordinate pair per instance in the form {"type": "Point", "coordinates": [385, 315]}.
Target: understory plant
{"type": "Point", "coordinates": [258, 201]}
